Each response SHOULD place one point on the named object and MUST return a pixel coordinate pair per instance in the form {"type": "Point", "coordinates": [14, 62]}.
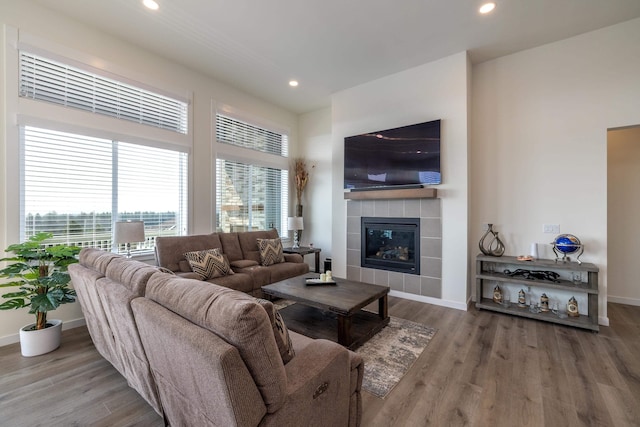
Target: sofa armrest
{"type": "Point", "coordinates": [293, 258]}
{"type": "Point", "coordinates": [318, 383]}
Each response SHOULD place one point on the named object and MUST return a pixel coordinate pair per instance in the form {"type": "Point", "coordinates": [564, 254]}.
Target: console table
{"type": "Point", "coordinates": [305, 250]}
{"type": "Point", "coordinates": [490, 271]}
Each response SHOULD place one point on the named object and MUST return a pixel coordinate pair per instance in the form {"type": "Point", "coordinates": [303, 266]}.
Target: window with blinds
{"type": "Point", "coordinates": [250, 197]}
{"type": "Point", "coordinates": [77, 186]}
{"type": "Point", "coordinates": [47, 80]}
{"type": "Point", "coordinates": [241, 134]}
{"type": "Point", "coordinates": [249, 194]}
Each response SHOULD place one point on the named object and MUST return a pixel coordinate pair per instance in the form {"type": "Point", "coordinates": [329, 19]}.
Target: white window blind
{"type": "Point", "coordinates": [250, 197]}
{"type": "Point", "coordinates": [76, 187]}
{"type": "Point", "coordinates": [47, 80]}
{"type": "Point", "coordinates": [236, 132]}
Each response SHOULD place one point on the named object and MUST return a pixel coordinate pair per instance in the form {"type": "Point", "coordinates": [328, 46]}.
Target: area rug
{"type": "Point", "coordinates": [390, 353]}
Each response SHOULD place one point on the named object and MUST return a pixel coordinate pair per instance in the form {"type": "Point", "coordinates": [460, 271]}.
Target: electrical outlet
{"type": "Point", "coordinates": [551, 228]}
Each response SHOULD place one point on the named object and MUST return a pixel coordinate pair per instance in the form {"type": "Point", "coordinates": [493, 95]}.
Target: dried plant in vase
{"type": "Point", "coordinates": [300, 178]}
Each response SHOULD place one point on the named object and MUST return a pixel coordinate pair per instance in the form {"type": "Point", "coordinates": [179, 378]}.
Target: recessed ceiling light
{"type": "Point", "coordinates": [487, 7]}
{"type": "Point", "coordinates": [293, 83]}
{"type": "Point", "coordinates": [150, 4]}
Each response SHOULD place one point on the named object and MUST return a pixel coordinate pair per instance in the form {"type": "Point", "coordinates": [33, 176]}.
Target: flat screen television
{"type": "Point", "coordinates": [404, 156]}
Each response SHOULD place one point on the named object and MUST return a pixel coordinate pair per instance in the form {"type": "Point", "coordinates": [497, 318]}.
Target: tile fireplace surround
{"type": "Point", "coordinates": [429, 283]}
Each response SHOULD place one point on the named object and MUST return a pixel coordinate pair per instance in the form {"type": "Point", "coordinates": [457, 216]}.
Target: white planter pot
{"type": "Point", "coordinates": [37, 342]}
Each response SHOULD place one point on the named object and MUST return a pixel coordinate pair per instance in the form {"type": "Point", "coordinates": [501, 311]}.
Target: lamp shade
{"type": "Point", "coordinates": [129, 232]}
{"type": "Point", "coordinates": [295, 223]}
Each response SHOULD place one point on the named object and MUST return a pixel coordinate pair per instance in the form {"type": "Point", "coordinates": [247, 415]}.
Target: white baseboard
{"type": "Point", "coordinates": [76, 323]}
{"type": "Point", "coordinates": [429, 300]}
{"type": "Point", "coordinates": [67, 324]}
{"type": "Point", "coordinates": [623, 300]}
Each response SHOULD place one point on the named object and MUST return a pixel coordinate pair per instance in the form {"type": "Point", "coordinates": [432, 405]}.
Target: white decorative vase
{"type": "Point", "coordinates": [37, 342]}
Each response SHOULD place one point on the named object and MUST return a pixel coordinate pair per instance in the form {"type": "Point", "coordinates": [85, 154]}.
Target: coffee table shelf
{"type": "Point", "coordinates": [315, 323]}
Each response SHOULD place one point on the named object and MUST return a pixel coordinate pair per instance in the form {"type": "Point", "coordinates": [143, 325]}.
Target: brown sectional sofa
{"type": "Point", "coordinates": [206, 355]}
{"type": "Point", "coordinates": [242, 252]}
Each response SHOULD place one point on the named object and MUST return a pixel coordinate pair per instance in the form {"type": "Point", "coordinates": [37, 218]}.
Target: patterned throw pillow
{"type": "Point", "coordinates": [270, 251]}
{"type": "Point", "coordinates": [280, 331]}
{"type": "Point", "coordinates": [209, 264]}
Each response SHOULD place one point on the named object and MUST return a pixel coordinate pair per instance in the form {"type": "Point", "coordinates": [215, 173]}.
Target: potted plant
{"type": "Point", "coordinates": [40, 272]}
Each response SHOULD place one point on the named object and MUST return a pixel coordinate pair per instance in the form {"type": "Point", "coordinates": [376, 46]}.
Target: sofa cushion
{"type": "Point", "coordinates": [201, 379]}
{"type": "Point", "coordinates": [209, 264]}
{"type": "Point", "coordinates": [244, 263]}
{"type": "Point", "coordinates": [248, 245]}
{"type": "Point", "coordinates": [130, 273]}
{"type": "Point", "coordinates": [259, 274]}
{"type": "Point", "coordinates": [233, 316]}
{"type": "Point", "coordinates": [238, 281]}
{"type": "Point", "coordinates": [170, 250]}
{"type": "Point", "coordinates": [286, 270]}
{"type": "Point", "coordinates": [83, 277]}
{"type": "Point", "coordinates": [231, 246]}
{"type": "Point", "coordinates": [270, 251]}
{"type": "Point", "coordinates": [98, 259]}
{"type": "Point", "coordinates": [280, 331]}
{"type": "Point", "coordinates": [116, 298]}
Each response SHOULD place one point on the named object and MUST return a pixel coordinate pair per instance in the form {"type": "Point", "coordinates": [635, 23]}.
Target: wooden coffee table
{"type": "Point", "coordinates": [318, 309]}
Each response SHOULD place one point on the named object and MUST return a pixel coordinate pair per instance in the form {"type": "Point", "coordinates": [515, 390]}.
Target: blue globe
{"type": "Point", "coordinates": [567, 243]}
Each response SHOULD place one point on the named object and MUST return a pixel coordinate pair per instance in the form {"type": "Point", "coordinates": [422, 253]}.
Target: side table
{"type": "Point", "coordinates": [305, 250]}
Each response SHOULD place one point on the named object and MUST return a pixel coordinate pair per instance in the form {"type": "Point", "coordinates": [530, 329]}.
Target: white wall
{"type": "Point", "coordinates": [437, 90]}
{"type": "Point", "coordinates": [137, 64]}
{"type": "Point", "coordinates": [539, 139]}
{"type": "Point", "coordinates": [623, 162]}
{"type": "Point", "coordinates": [314, 130]}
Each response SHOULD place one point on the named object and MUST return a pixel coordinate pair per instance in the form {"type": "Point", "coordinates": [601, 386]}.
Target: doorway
{"type": "Point", "coordinates": [623, 211]}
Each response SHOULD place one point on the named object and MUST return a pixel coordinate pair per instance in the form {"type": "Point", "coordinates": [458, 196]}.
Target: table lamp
{"type": "Point", "coordinates": [128, 232]}
{"type": "Point", "coordinates": [295, 223]}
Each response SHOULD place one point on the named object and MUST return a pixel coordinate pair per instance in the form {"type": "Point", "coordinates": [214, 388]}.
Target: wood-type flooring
{"type": "Point", "coordinates": [481, 369]}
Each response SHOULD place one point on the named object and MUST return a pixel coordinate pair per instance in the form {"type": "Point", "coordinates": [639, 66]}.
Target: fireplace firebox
{"type": "Point", "coordinates": [391, 244]}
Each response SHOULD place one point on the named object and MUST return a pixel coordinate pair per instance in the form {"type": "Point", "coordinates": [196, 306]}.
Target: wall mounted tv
{"type": "Point", "coordinates": [402, 157]}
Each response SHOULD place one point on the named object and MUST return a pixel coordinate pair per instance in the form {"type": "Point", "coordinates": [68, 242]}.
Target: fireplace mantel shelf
{"type": "Point", "coordinates": [406, 193]}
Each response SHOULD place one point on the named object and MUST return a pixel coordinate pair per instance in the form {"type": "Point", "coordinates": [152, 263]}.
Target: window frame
{"type": "Point", "coordinates": [112, 180]}
{"type": "Point", "coordinates": [247, 156]}
{"type": "Point", "coordinates": [20, 111]}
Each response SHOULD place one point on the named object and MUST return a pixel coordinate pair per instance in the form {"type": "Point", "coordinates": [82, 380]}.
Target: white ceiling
{"type": "Point", "coordinates": [330, 45]}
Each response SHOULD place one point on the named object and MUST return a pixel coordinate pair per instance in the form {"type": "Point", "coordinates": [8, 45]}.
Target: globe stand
{"type": "Point", "coordinates": [564, 256]}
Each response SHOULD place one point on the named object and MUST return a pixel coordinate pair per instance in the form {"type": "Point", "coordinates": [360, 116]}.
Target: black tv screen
{"type": "Point", "coordinates": [408, 155]}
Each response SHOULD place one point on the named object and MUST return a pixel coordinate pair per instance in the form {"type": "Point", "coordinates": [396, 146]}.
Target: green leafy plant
{"type": "Point", "coordinates": [40, 271]}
